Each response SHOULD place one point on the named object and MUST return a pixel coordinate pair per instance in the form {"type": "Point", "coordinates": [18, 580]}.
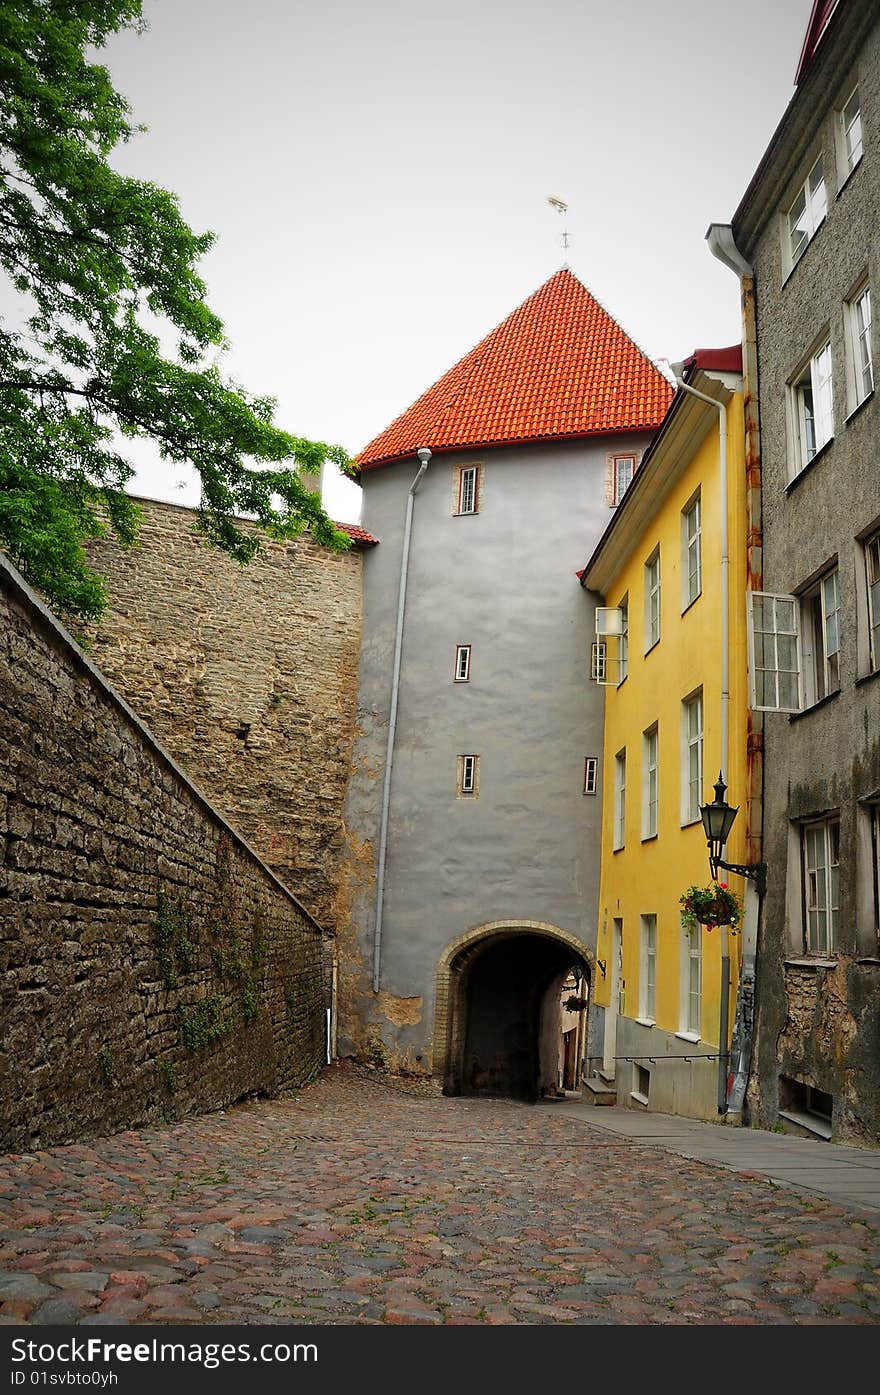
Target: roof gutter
{"type": "Point", "coordinates": [424, 456]}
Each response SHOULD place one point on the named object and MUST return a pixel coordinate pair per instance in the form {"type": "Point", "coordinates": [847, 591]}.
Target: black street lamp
{"type": "Point", "coordinates": [718, 820]}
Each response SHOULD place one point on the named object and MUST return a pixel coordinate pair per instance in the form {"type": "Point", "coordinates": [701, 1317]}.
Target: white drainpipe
{"type": "Point", "coordinates": [424, 456]}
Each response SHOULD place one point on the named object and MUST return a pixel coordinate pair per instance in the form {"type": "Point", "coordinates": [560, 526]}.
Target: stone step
{"type": "Point", "coordinates": [599, 1091]}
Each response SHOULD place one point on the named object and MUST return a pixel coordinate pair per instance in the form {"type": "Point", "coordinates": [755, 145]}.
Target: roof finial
{"type": "Point", "coordinates": [561, 207]}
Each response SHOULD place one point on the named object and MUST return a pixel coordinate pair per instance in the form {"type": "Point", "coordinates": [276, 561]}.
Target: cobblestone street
{"type": "Point", "coordinates": [370, 1201]}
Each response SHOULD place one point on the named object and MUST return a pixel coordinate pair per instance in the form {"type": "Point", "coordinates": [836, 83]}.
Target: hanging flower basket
{"type": "Point", "coordinates": [575, 1004]}
{"type": "Point", "coordinates": [710, 906]}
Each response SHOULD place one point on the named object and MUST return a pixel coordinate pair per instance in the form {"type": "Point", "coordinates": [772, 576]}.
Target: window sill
{"type": "Point", "coordinates": [814, 1122]}
{"type": "Point", "coordinates": [692, 1037]}
{"type": "Point", "coordinates": [848, 177]}
{"type": "Point", "coordinates": [867, 677]}
{"type": "Point", "coordinates": [689, 823]}
{"type": "Point", "coordinates": [805, 470]}
{"type": "Point", "coordinates": [621, 848]}
{"type": "Point", "coordinates": [814, 706]}
{"type": "Point", "coordinates": [649, 837]}
{"type": "Point", "coordinates": [810, 962]}
{"type": "Point", "coordinates": [685, 608]}
{"type": "Point", "coordinates": [638, 1097]}
{"type": "Point", "coordinates": [652, 646]}
{"type": "Point", "coordinates": [646, 1021]}
{"type": "Point", "coordinates": [858, 407]}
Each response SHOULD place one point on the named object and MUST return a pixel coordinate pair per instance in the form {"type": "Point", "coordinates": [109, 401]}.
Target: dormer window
{"type": "Point", "coordinates": [806, 213]}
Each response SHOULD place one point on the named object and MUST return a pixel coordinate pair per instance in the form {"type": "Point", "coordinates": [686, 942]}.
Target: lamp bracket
{"type": "Point", "coordinates": [755, 871]}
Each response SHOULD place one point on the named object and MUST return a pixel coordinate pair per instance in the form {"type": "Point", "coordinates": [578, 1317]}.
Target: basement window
{"type": "Point", "coordinates": [806, 1106]}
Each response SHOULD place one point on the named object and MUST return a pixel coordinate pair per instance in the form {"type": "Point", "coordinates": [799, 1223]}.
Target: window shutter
{"type": "Point", "coordinates": [774, 652]}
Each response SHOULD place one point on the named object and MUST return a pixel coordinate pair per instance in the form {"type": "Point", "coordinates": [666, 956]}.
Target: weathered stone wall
{"type": "Point", "coordinates": [249, 676]}
{"type": "Point", "coordinates": [150, 964]}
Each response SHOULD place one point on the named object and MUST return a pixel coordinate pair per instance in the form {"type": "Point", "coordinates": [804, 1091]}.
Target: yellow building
{"type": "Point", "coordinates": [660, 640]}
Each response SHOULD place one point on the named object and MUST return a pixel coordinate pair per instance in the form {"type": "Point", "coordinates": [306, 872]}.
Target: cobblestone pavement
{"type": "Point", "coordinates": [364, 1201]}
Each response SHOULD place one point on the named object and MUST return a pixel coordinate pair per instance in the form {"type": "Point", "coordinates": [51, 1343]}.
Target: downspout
{"type": "Point", "coordinates": [724, 1013]}
{"type": "Point", "coordinates": [722, 245]}
{"type": "Point", "coordinates": [424, 456]}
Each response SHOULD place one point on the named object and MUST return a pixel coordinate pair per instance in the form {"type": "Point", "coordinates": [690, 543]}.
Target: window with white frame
{"type": "Point", "coordinates": [468, 493]}
{"type": "Point", "coordinates": [623, 640]}
{"type": "Point", "coordinates": [872, 577]}
{"type": "Point", "coordinates": [691, 757]}
{"type": "Point", "coordinates": [820, 853]}
{"type": "Point", "coordinates": [690, 1014]}
{"type": "Point", "coordinates": [861, 374]}
{"type": "Point", "coordinates": [648, 975]}
{"type": "Point", "coordinates": [812, 408]}
{"type": "Point", "coordinates": [692, 567]}
{"type": "Point", "coordinates": [649, 783]}
{"type": "Point", "coordinates": [820, 637]}
{"type": "Point", "coordinates": [468, 776]}
{"type": "Point", "coordinates": [623, 468]}
{"type": "Point", "coordinates": [462, 663]}
{"type": "Point", "coordinates": [874, 812]}
{"type": "Point", "coordinates": [806, 213]}
{"type": "Point", "coordinates": [591, 774]}
{"type": "Point", "coordinates": [620, 799]}
{"type": "Point", "coordinates": [851, 133]}
{"type": "Point", "coordinates": [652, 600]}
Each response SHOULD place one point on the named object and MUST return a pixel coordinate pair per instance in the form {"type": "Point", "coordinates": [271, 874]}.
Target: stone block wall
{"type": "Point", "coordinates": [150, 963]}
{"type": "Point", "coordinates": [249, 676]}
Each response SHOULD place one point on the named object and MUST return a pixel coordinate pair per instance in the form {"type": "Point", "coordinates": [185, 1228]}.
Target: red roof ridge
{"type": "Point", "coordinates": [558, 367]}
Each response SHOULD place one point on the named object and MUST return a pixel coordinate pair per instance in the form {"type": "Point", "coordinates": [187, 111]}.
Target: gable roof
{"type": "Point", "coordinates": [558, 368]}
{"type": "Point", "coordinates": [823, 10]}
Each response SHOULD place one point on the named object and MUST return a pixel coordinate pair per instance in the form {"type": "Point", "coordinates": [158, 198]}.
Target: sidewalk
{"type": "Point", "coordinates": [840, 1172]}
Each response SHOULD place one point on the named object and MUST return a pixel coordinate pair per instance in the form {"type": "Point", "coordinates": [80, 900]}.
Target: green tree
{"type": "Point", "coordinates": [104, 270]}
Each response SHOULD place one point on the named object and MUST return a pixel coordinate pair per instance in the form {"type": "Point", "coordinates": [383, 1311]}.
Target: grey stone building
{"type": "Point", "coordinates": [473, 811]}
{"type": "Point", "coordinates": [807, 229]}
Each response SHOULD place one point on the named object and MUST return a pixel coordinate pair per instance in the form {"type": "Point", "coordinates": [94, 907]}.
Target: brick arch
{"type": "Point", "coordinates": [473, 939]}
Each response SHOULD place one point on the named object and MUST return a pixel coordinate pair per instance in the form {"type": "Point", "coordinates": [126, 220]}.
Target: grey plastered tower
{"type": "Point", "coordinates": [462, 908]}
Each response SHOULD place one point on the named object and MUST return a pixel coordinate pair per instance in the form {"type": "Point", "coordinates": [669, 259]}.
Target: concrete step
{"type": "Point", "coordinates": [599, 1091]}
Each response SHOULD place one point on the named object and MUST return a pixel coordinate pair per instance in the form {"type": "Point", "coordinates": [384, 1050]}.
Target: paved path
{"type": "Point", "coordinates": [363, 1201]}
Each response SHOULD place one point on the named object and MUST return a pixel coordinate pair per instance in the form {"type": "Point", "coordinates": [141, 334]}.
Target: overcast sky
{"type": "Point", "coordinates": [378, 173]}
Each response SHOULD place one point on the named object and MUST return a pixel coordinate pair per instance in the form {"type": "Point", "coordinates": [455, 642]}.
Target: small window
{"type": "Point", "coordinates": [591, 774]}
{"type": "Point", "coordinates": [624, 467]}
{"type": "Point", "coordinates": [648, 976]}
{"type": "Point", "coordinates": [774, 652]}
{"type": "Point", "coordinates": [652, 600]}
{"type": "Point", "coordinates": [820, 638]}
{"type": "Point", "coordinates": [872, 576]}
{"type": "Point", "coordinates": [690, 1015]}
{"type": "Point", "coordinates": [820, 852]}
{"type": "Point", "coordinates": [468, 492]}
{"type": "Point", "coordinates": [874, 813]}
{"type": "Point", "coordinates": [649, 783]}
{"type": "Point", "coordinates": [692, 567]}
{"type": "Point", "coordinates": [620, 799]}
{"type": "Point", "coordinates": [861, 374]}
{"type": "Point", "coordinates": [462, 663]}
{"type": "Point", "coordinates": [851, 131]}
{"type": "Point", "coordinates": [468, 783]}
{"type": "Point", "coordinates": [623, 640]}
{"type": "Point", "coordinates": [812, 408]}
{"type": "Point", "coordinates": [806, 213]}
{"type": "Point", "coordinates": [691, 758]}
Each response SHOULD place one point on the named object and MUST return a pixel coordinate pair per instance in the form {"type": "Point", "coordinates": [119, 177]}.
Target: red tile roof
{"type": "Point", "coordinates": [558, 367]}
{"type": "Point", "coordinates": [358, 535]}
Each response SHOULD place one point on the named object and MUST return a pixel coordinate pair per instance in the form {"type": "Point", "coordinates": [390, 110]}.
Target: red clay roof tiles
{"type": "Point", "coordinates": [358, 535]}
{"type": "Point", "coordinates": [559, 366]}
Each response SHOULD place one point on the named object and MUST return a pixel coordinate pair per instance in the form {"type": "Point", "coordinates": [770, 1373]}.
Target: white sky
{"type": "Point", "coordinates": [378, 176]}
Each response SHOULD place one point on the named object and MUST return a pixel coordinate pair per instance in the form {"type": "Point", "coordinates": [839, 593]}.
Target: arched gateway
{"type": "Point", "coordinates": [497, 988]}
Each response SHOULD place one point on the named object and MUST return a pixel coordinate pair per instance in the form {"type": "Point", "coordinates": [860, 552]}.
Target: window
{"type": "Point", "coordinates": [468, 491]}
{"type": "Point", "coordinates": [861, 376]}
{"type": "Point", "coordinates": [468, 777]}
{"type": "Point", "coordinates": [692, 569]}
{"type": "Point", "coordinates": [806, 213]}
{"type": "Point", "coordinates": [624, 467]}
{"type": "Point", "coordinates": [820, 851]}
{"type": "Point", "coordinates": [820, 637]}
{"type": "Point", "coordinates": [648, 975]}
{"type": "Point", "coordinates": [875, 860]}
{"type": "Point", "coordinates": [812, 408]}
{"type": "Point", "coordinates": [691, 758]}
{"type": "Point", "coordinates": [872, 571]}
{"type": "Point", "coordinates": [591, 774]}
{"type": "Point", "coordinates": [649, 783]}
{"type": "Point", "coordinates": [620, 799]}
{"type": "Point", "coordinates": [652, 600]}
{"type": "Point", "coordinates": [462, 663]}
{"type": "Point", "coordinates": [623, 640]}
{"type": "Point", "coordinates": [851, 129]}
{"type": "Point", "coordinates": [690, 1015]}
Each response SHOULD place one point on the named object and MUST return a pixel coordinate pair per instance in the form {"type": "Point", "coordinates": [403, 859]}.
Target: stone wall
{"type": "Point", "coordinates": [150, 963]}
{"type": "Point", "coordinates": [249, 676]}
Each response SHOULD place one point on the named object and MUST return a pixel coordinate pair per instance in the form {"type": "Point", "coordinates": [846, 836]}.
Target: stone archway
{"type": "Point", "coordinates": [489, 1005]}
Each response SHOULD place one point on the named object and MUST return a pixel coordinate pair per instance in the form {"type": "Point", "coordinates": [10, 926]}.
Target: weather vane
{"type": "Point", "coordinates": [561, 207]}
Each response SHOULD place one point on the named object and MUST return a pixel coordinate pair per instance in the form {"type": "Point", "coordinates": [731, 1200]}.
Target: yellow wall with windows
{"type": "Point", "coordinates": [647, 876]}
